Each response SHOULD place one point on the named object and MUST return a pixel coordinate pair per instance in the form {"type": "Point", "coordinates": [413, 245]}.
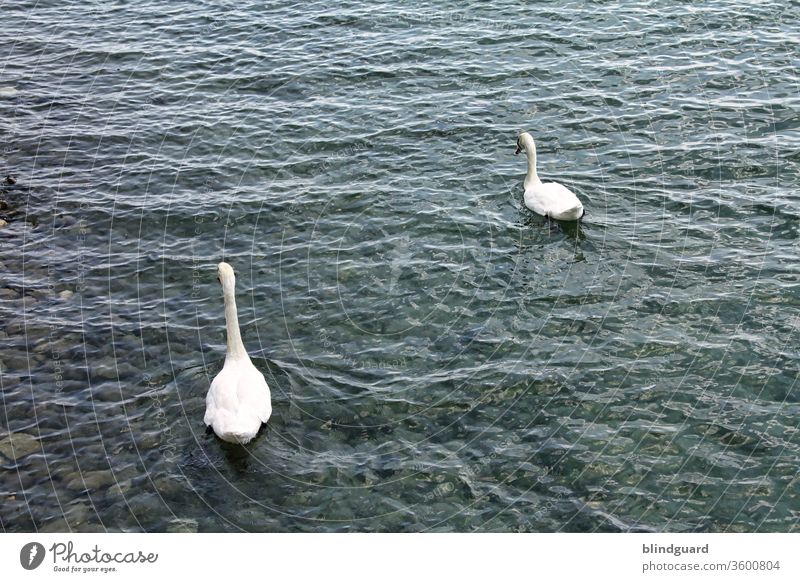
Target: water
{"type": "Point", "coordinates": [440, 359]}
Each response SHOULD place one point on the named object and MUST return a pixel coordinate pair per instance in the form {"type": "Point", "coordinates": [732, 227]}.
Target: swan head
{"type": "Point", "coordinates": [225, 275]}
{"type": "Point", "coordinates": [524, 142]}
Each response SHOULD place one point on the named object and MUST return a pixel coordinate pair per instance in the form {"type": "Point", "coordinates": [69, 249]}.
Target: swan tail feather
{"type": "Point", "coordinates": [232, 429]}
{"type": "Point", "coordinates": [574, 212]}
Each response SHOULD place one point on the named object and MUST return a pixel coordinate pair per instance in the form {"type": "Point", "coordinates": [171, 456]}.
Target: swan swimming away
{"type": "Point", "coordinates": [239, 399]}
{"type": "Point", "coordinates": [551, 200]}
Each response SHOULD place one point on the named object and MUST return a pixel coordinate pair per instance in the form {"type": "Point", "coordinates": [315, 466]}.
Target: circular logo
{"type": "Point", "coordinates": [31, 555]}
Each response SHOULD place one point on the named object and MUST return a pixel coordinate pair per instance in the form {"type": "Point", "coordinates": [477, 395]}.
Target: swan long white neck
{"type": "Point", "coordinates": [530, 151]}
{"type": "Point", "coordinates": [235, 346]}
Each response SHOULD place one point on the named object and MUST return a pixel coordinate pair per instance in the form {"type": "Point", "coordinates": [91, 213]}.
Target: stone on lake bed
{"type": "Point", "coordinates": [3, 223]}
{"type": "Point", "coordinates": [17, 361]}
{"type": "Point", "coordinates": [90, 527]}
{"type": "Point", "coordinates": [171, 486]}
{"type": "Point", "coordinates": [27, 301]}
{"type": "Point", "coordinates": [105, 371]}
{"type": "Point", "coordinates": [41, 293]}
{"type": "Point", "coordinates": [8, 91]}
{"type": "Point", "coordinates": [9, 380]}
{"type": "Point", "coordinates": [76, 514]}
{"type": "Point", "coordinates": [66, 295]}
{"type": "Point", "coordinates": [89, 480]}
{"type": "Point", "coordinates": [182, 525]}
{"type": "Point", "coordinates": [18, 445]}
{"type": "Point", "coordinates": [7, 293]}
{"type": "Point", "coordinates": [59, 525]}
{"type": "Point", "coordinates": [120, 488]}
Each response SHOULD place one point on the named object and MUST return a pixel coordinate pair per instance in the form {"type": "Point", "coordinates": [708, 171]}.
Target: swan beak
{"type": "Point", "coordinates": [519, 149]}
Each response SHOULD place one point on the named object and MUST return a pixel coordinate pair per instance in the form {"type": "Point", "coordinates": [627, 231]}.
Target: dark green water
{"type": "Point", "coordinates": [439, 358]}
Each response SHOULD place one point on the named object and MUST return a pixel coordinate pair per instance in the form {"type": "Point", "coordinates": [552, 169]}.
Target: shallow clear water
{"type": "Point", "coordinates": [440, 359]}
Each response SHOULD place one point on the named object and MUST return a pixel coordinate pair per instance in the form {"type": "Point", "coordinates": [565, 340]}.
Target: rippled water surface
{"type": "Point", "coordinates": [440, 358]}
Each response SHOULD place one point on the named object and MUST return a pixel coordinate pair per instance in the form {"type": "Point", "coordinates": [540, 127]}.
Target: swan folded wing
{"type": "Point", "coordinates": [553, 200]}
{"type": "Point", "coordinates": [238, 399]}
{"type": "Point", "coordinates": [253, 391]}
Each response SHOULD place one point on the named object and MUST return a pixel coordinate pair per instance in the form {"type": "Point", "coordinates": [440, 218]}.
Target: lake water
{"type": "Point", "coordinates": [440, 359]}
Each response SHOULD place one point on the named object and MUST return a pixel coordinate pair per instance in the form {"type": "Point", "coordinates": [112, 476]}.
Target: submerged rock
{"type": "Point", "coordinates": [59, 525]}
{"type": "Point", "coordinates": [75, 517]}
{"type": "Point", "coordinates": [89, 480]}
{"type": "Point", "coordinates": [182, 525]}
{"type": "Point", "coordinates": [18, 445]}
{"type": "Point", "coordinates": [120, 488]}
{"type": "Point", "coordinates": [8, 293]}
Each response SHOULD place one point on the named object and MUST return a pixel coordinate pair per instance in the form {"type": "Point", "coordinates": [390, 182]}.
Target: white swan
{"type": "Point", "coordinates": [551, 200]}
{"type": "Point", "coordinates": [239, 399]}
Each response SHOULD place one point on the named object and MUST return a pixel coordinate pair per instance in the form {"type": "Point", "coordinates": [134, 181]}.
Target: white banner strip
{"type": "Point", "coordinates": [389, 557]}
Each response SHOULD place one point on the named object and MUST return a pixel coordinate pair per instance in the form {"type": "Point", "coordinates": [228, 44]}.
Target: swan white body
{"type": "Point", "coordinates": [551, 199]}
{"type": "Point", "coordinates": [239, 398]}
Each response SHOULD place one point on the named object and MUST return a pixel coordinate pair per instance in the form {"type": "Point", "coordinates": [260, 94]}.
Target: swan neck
{"type": "Point", "coordinates": [235, 346]}
{"type": "Point", "coordinates": [530, 151]}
